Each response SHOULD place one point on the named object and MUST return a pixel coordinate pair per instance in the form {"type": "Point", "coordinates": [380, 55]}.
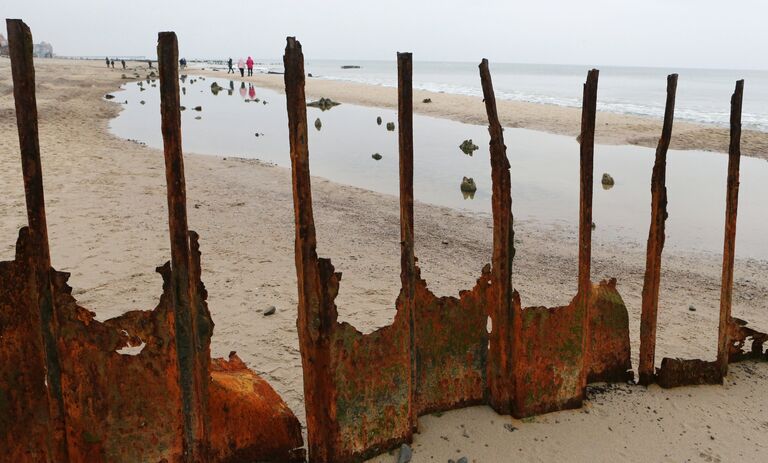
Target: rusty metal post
{"type": "Point", "coordinates": [314, 319]}
{"type": "Point", "coordinates": [500, 378]}
{"type": "Point", "coordinates": [23, 72]}
{"type": "Point", "coordinates": [650, 304]}
{"type": "Point", "coordinates": [587, 158]}
{"type": "Point", "coordinates": [587, 155]}
{"type": "Point", "coordinates": [192, 380]}
{"type": "Point", "coordinates": [407, 256]}
{"type": "Point", "coordinates": [729, 245]}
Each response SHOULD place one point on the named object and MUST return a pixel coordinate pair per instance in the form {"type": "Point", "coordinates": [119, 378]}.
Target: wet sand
{"type": "Point", "coordinates": [108, 226]}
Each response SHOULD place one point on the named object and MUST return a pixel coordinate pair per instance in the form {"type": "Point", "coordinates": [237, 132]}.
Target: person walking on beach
{"type": "Point", "coordinates": [241, 66]}
{"type": "Point", "coordinates": [122, 61]}
{"type": "Point", "coordinates": [107, 60]}
{"type": "Point", "coordinates": [113, 64]}
{"type": "Point", "coordinates": [231, 69]}
{"type": "Point", "coordinates": [250, 66]}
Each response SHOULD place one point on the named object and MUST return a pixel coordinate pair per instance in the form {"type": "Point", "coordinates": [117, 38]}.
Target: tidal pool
{"type": "Point", "coordinates": [245, 121]}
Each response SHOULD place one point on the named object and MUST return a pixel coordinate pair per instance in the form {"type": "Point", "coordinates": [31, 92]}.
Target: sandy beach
{"type": "Point", "coordinates": [107, 221]}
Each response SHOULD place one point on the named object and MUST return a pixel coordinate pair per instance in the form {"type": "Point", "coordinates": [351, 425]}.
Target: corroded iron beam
{"type": "Point", "coordinates": [23, 73]}
{"type": "Point", "coordinates": [315, 304]}
{"type": "Point", "coordinates": [193, 367]}
{"type": "Point", "coordinates": [656, 236]}
{"type": "Point", "coordinates": [501, 351]}
{"type": "Point", "coordinates": [729, 241]}
{"type": "Point", "coordinates": [407, 256]}
{"type": "Point", "coordinates": [586, 157]}
{"type": "Point", "coordinates": [586, 175]}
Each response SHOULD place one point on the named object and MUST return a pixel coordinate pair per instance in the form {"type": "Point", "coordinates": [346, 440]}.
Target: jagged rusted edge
{"type": "Point", "coordinates": [122, 407]}
{"type": "Point", "coordinates": [549, 341]}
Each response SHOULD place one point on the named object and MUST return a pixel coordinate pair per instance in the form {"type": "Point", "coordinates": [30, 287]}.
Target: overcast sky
{"type": "Point", "coordinates": [668, 33]}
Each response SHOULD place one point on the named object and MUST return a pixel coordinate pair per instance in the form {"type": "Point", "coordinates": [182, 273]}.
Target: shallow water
{"type": "Point", "coordinates": [544, 167]}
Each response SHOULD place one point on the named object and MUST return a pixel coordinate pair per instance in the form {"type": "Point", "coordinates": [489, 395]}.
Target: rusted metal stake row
{"type": "Point", "coordinates": [650, 301]}
{"type": "Point", "coordinates": [733, 333]}
{"type": "Point", "coordinates": [729, 242]}
{"type": "Point", "coordinates": [193, 375]}
{"type": "Point", "coordinates": [23, 72]}
{"type": "Point", "coordinates": [501, 350]}
{"type": "Point", "coordinates": [407, 256]}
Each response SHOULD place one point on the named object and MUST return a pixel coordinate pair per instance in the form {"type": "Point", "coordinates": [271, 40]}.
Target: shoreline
{"type": "Point", "coordinates": [612, 128]}
{"type": "Point", "coordinates": [107, 224]}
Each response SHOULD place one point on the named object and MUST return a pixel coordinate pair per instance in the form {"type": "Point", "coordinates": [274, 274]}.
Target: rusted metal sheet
{"type": "Point", "coordinates": [739, 335]}
{"type": "Point", "coordinates": [120, 407]}
{"type": "Point", "coordinates": [556, 353]}
{"type": "Point", "coordinates": [25, 421]}
{"type": "Point", "coordinates": [135, 387]}
{"type": "Point", "coordinates": [249, 420]}
{"type": "Point", "coordinates": [608, 347]}
{"type": "Point", "coordinates": [548, 369]}
{"type": "Point", "coordinates": [676, 372]}
{"type": "Point", "coordinates": [451, 347]}
{"type": "Point", "coordinates": [656, 236]}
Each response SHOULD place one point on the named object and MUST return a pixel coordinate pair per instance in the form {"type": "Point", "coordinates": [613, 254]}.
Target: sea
{"type": "Point", "coordinates": [703, 95]}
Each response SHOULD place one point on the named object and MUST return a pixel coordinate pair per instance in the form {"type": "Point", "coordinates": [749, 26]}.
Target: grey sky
{"type": "Point", "coordinates": [674, 33]}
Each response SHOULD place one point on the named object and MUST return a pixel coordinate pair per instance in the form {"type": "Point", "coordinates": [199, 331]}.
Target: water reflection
{"type": "Point", "coordinates": [544, 167]}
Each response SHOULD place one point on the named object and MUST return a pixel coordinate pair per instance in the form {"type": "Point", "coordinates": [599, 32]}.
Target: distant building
{"type": "Point", "coordinates": [43, 50]}
{"type": "Point", "coordinates": [3, 45]}
{"type": "Point", "coordinates": [40, 50]}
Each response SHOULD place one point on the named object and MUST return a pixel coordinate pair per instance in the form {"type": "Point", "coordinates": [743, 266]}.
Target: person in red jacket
{"type": "Point", "coordinates": [249, 63]}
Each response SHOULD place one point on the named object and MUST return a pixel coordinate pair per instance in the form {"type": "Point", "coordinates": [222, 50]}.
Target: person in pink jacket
{"type": "Point", "coordinates": [241, 66]}
{"type": "Point", "coordinates": [249, 63]}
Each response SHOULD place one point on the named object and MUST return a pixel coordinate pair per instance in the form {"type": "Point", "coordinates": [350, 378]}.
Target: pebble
{"type": "Point", "coordinates": [270, 311]}
{"type": "Point", "coordinates": [405, 454]}
{"type": "Point", "coordinates": [692, 308]}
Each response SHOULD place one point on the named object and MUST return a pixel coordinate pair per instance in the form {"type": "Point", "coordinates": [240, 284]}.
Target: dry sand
{"type": "Point", "coordinates": [108, 226]}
